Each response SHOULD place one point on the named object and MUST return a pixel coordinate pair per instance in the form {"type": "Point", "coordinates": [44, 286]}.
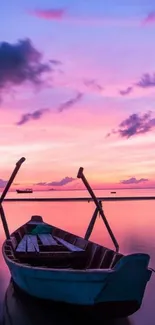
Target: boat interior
{"type": "Point", "coordinates": [57, 249]}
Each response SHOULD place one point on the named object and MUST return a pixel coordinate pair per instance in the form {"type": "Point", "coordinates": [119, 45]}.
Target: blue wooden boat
{"type": "Point", "coordinates": [52, 264]}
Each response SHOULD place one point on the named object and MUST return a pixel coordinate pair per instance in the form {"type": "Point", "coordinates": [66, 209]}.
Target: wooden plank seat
{"type": "Point", "coordinates": [61, 253]}
{"type": "Point", "coordinates": [47, 239]}
{"type": "Point", "coordinates": [21, 248]}
{"type": "Point", "coordinates": [29, 244]}
{"type": "Point", "coordinates": [48, 243]}
{"type": "Point", "coordinates": [56, 259]}
{"type": "Point", "coordinates": [71, 247]}
{"type": "Point", "coordinates": [28, 250]}
{"type": "Point", "coordinates": [32, 243]}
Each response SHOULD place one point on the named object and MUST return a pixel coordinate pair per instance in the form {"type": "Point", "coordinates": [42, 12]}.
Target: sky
{"type": "Point", "coordinates": [77, 88]}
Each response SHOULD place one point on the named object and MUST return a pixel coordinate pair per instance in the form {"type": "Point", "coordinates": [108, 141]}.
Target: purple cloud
{"type": "Point", "coordinates": [55, 62]}
{"type": "Point", "coordinates": [20, 62]}
{"type": "Point", "coordinates": [150, 19]}
{"type": "Point", "coordinates": [126, 91]}
{"type": "Point", "coordinates": [135, 124]}
{"type": "Point", "coordinates": [64, 181]}
{"type": "Point", "coordinates": [63, 14]}
{"type": "Point", "coordinates": [69, 103]}
{"type": "Point", "coordinates": [36, 115]}
{"type": "Point", "coordinates": [133, 180]}
{"type": "Point", "coordinates": [91, 83]}
{"type": "Point", "coordinates": [49, 14]}
{"type": "Point", "coordinates": [2, 183]}
{"type": "Point", "coordinates": [146, 81]}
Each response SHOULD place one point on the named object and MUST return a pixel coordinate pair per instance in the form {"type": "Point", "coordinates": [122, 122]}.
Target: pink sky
{"type": "Point", "coordinates": [69, 90]}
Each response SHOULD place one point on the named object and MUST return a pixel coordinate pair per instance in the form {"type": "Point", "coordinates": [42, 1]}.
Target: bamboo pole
{"type": "Point", "coordinates": [11, 179]}
{"type": "Point", "coordinates": [81, 175]}
{"type": "Point", "coordinates": [92, 223]}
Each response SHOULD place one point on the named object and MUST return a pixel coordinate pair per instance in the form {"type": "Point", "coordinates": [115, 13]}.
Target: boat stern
{"type": "Point", "coordinates": [128, 281]}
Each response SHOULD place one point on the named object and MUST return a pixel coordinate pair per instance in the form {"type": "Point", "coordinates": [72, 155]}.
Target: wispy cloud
{"type": "Point", "coordinates": [133, 180]}
{"type": "Point", "coordinates": [61, 14]}
{"type": "Point", "coordinates": [62, 182]}
{"type": "Point", "coordinates": [135, 124]}
{"type": "Point", "coordinates": [69, 103]}
{"type": "Point", "coordinates": [146, 81]}
{"type": "Point", "coordinates": [36, 115]}
{"type": "Point", "coordinates": [49, 14]}
{"type": "Point", "coordinates": [93, 84]}
{"type": "Point", "coordinates": [126, 91]}
{"type": "Point", "coordinates": [20, 62]}
{"type": "Point", "coordinates": [55, 62]}
{"type": "Point", "coordinates": [149, 19]}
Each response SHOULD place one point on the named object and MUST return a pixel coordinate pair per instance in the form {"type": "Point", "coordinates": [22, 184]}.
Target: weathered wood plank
{"type": "Point", "coordinates": [71, 247]}
{"type": "Point", "coordinates": [22, 245]}
{"type": "Point", "coordinates": [34, 241]}
{"type": "Point", "coordinates": [30, 246]}
{"type": "Point", "coordinates": [47, 239]}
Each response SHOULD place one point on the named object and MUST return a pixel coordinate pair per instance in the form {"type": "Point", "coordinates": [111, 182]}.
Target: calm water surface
{"type": "Point", "coordinates": [133, 224]}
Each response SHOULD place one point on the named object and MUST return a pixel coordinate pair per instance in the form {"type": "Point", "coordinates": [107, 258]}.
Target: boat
{"type": "Point", "coordinates": [52, 264]}
{"type": "Point", "coordinates": [27, 190]}
{"type": "Point", "coordinates": [20, 309]}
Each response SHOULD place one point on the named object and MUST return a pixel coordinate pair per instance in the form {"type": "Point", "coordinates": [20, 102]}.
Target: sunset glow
{"type": "Point", "coordinates": [77, 88]}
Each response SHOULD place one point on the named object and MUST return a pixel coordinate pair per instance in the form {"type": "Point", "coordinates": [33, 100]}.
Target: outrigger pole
{"type": "Point", "coordinates": [92, 223]}
{"type": "Point", "coordinates": [10, 181]}
{"type": "Point", "coordinates": [98, 207]}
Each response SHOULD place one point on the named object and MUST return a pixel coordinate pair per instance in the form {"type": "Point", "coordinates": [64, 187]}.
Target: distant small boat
{"type": "Point", "coordinates": [27, 190]}
{"type": "Point", "coordinates": [113, 192]}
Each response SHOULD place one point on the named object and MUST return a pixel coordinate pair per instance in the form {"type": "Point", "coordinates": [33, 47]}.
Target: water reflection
{"type": "Point", "coordinates": [2, 291]}
{"type": "Point", "coordinates": [19, 309]}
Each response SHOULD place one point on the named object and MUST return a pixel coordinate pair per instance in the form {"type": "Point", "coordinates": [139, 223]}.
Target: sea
{"type": "Point", "coordinates": [132, 222]}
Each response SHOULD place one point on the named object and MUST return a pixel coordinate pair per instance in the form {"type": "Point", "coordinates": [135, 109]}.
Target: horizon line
{"type": "Point", "coordinates": [83, 189]}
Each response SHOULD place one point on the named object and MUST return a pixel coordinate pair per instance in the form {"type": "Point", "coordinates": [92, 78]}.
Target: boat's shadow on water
{"type": "Point", "coordinates": [19, 309]}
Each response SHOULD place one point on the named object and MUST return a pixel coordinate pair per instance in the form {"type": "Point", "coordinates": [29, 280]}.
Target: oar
{"type": "Point", "coordinates": [10, 181]}
{"type": "Point", "coordinates": [81, 175]}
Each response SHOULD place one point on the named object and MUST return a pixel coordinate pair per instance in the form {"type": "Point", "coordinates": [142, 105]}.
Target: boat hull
{"type": "Point", "coordinates": [110, 309]}
{"type": "Point", "coordinates": [89, 288]}
{"type": "Point", "coordinates": [36, 311]}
